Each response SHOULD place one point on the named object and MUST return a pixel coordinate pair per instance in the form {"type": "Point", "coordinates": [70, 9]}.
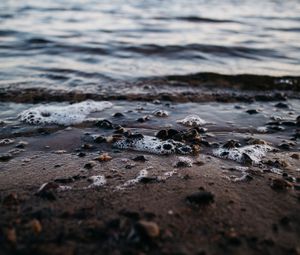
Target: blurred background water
{"type": "Point", "coordinates": [81, 43]}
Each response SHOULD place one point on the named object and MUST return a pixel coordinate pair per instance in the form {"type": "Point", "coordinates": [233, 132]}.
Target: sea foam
{"type": "Point", "coordinates": [255, 152]}
{"type": "Point", "coordinates": [62, 115]}
{"type": "Point", "coordinates": [192, 121]}
{"type": "Point", "coordinates": [153, 145]}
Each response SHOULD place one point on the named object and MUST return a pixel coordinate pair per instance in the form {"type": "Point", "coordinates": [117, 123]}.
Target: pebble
{"type": "Point", "coordinates": [252, 111]}
{"type": "Point", "coordinates": [89, 165]}
{"type": "Point", "coordinates": [46, 190]}
{"type": "Point", "coordinates": [281, 105]}
{"type": "Point", "coordinates": [5, 156]}
{"type": "Point", "coordinates": [279, 184]}
{"type": "Point", "coordinates": [140, 158]}
{"type": "Point", "coordinates": [295, 156]}
{"type": "Point", "coordinates": [11, 199]}
{"type": "Point", "coordinates": [148, 229]}
{"type": "Point", "coordinates": [160, 113]}
{"type": "Point", "coordinates": [36, 226]}
{"type": "Point", "coordinates": [200, 198]}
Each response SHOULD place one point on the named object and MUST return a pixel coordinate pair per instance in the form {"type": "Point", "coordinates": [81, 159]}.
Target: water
{"type": "Point", "coordinates": [69, 44]}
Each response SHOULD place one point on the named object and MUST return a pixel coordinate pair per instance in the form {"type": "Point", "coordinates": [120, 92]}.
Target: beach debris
{"type": "Point", "coordinates": [200, 198]}
{"type": "Point", "coordinates": [160, 113]}
{"type": "Point", "coordinates": [192, 121]}
{"type": "Point", "coordinates": [148, 229]}
{"type": "Point", "coordinates": [103, 157]}
{"type": "Point", "coordinates": [249, 154]}
{"type": "Point", "coordinates": [6, 141]}
{"type": "Point", "coordinates": [62, 114]}
{"type": "Point", "coordinates": [96, 181]}
{"type": "Point", "coordinates": [152, 145]}
{"type": "Point", "coordinates": [184, 162]}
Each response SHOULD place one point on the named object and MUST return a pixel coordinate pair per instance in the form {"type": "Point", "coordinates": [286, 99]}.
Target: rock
{"type": "Point", "coordinates": [140, 158]}
{"type": "Point", "coordinates": [5, 156]}
{"type": "Point", "coordinates": [35, 226]}
{"type": "Point", "coordinates": [184, 162]}
{"type": "Point", "coordinates": [89, 165]}
{"type": "Point", "coordinates": [295, 156]}
{"type": "Point", "coordinates": [106, 124]}
{"type": "Point", "coordinates": [118, 115]}
{"type": "Point", "coordinates": [160, 113]}
{"type": "Point", "coordinates": [11, 235]}
{"type": "Point", "coordinates": [231, 144]}
{"type": "Point", "coordinates": [11, 199]}
{"type": "Point", "coordinates": [46, 191]}
{"type": "Point", "coordinates": [21, 144]}
{"type": "Point", "coordinates": [281, 105]}
{"type": "Point", "coordinates": [143, 119]}
{"type": "Point", "coordinates": [87, 146]}
{"type": "Point", "coordinates": [99, 139]}
{"type": "Point", "coordinates": [252, 111]}
{"type": "Point", "coordinates": [298, 120]}
{"type": "Point", "coordinates": [148, 229]}
{"type": "Point", "coordinates": [279, 184]}
{"type": "Point", "coordinates": [200, 198]}
{"type": "Point", "coordinates": [81, 154]}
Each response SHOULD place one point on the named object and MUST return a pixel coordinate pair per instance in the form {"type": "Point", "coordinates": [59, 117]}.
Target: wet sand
{"type": "Point", "coordinates": [71, 190]}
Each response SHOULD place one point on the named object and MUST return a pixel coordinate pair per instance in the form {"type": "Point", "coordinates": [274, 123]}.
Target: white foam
{"type": "Point", "coordinates": [192, 121]}
{"type": "Point", "coordinates": [142, 174]}
{"type": "Point", "coordinates": [153, 145]}
{"type": "Point", "coordinates": [255, 152]}
{"type": "Point", "coordinates": [62, 114]}
{"type": "Point", "coordinates": [97, 181]}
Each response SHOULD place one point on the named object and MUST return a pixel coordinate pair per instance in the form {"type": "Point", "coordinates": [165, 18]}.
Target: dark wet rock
{"type": "Point", "coordinates": [200, 198]}
{"type": "Point", "coordinates": [279, 184]}
{"type": "Point", "coordinates": [282, 105]}
{"type": "Point", "coordinates": [205, 143]}
{"type": "Point", "coordinates": [11, 199]}
{"type": "Point", "coordinates": [5, 156]}
{"type": "Point", "coordinates": [118, 115]}
{"type": "Point", "coordinates": [89, 165]}
{"type": "Point", "coordinates": [119, 130]}
{"type": "Point", "coordinates": [286, 146]}
{"type": "Point", "coordinates": [147, 229]}
{"type": "Point", "coordinates": [184, 163]}
{"type": "Point", "coordinates": [106, 124]}
{"type": "Point", "coordinates": [288, 123]}
{"type": "Point", "coordinates": [81, 154]}
{"type": "Point", "coordinates": [298, 121]}
{"type": "Point", "coordinates": [276, 128]}
{"type": "Point", "coordinates": [277, 163]}
{"type": "Point", "coordinates": [135, 136]}
{"type": "Point", "coordinates": [21, 144]}
{"type": "Point", "coordinates": [246, 159]}
{"type": "Point", "coordinates": [252, 111]}
{"type": "Point", "coordinates": [148, 179]}
{"type": "Point", "coordinates": [231, 144]}
{"type": "Point", "coordinates": [143, 119]}
{"type": "Point", "coordinates": [160, 113]}
{"type": "Point", "coordinates": [130, 166]}
{"type": "Point", "coordinates": [297, 187]}
{"type": "Point", "coordinates": [47, 190]}
{"type": "Point", "coordinates": [100, 139]}
{"type": "Point", "coordinates": [140, 158]}
{"type": "Point", "coordinates": [295, 156]}
{"type": "Point", "coordinates": [162, 134]}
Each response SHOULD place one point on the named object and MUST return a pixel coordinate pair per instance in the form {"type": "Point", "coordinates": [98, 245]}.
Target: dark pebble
{"type": "Point", "coordinates": [118, 115]}
{"type": "Point", "coordinates": [140, 158]}
{"type": "Point", "coordinates": [282, 105]}
{"type": "Point", "coordinates": [5, 156]}
{"type": "Point", "coordinates": [100, 139]}
{"type": "Point", "coordinates": [252, 111]}
{"type": "Point", "coordinates": [200, 198]}
{"type": "Point", "coordinates": [104, 124]}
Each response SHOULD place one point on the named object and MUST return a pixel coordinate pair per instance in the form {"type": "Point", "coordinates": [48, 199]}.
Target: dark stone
{"type": "Point", "coordinates": [231, 144]}
{"type": "Point", "coordinates": [282, 105]}
{"type": "Point", "coordinates": [118, 115]}
{"type": "Point", "coordinates": [100, 139]}
{"type": "Point", "coordinates": [140, 158]}
{"type": "Point", "coordinates": [5, 156]}
{"type": "Point", "coordinates": [252, 111]}
{"type": "Point", "coordinates": [200, 198]}
{"type": "Point", "coordinates": [106, 124]}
